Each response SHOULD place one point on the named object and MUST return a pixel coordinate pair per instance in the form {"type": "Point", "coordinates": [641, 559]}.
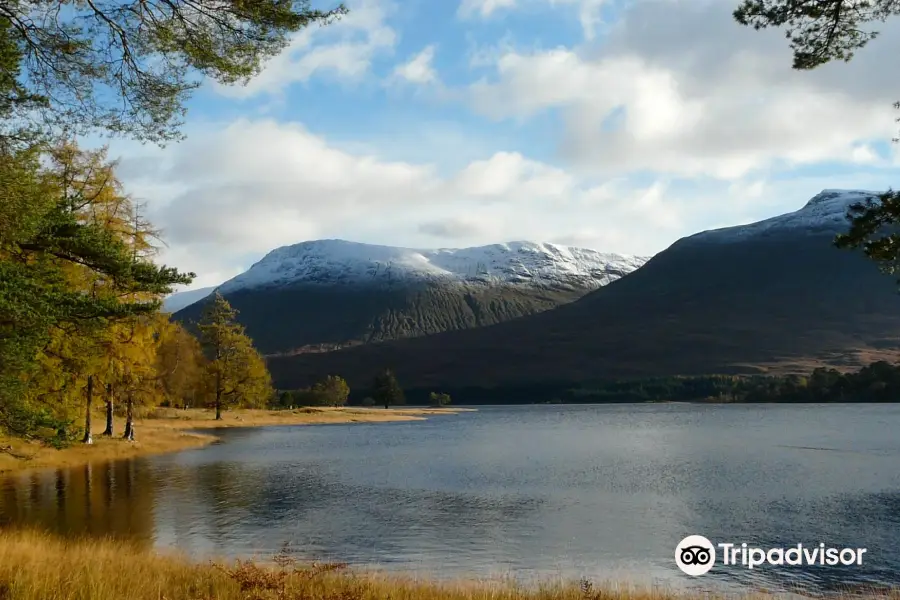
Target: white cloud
{"type": "Point", "coordinates": [418, 69]}
{"type": "Point", "coordinates": [588, 14]}
{"type": "Point", "coordinates": [483, 8]}
{"type": "Point", "coordinates": [726, 130]}
{"type": "Point", "coordinates": [455, 228]}
{"type": "Point", "coordinates": [588, 10]}
{"type": "Point", "coordinates": [680, 121]}
{"type": "Point", "coordinates": [509, 174]}
{"type": "Point", "coordinates": [679, 88]}
{"type": "Point", "coordinates": [235, 192]}
{"type": "Point", "coordinates": [344, 49]}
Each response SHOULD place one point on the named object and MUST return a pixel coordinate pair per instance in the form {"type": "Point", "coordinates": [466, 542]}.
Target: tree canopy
{"type": "Point", "coordinates": [128, 66]}
{"type": "Point", "coordinates": [236, 372]}
{"type": "Point", "coordinates": [819, 31]}
{"type": "Point", "coordinates": [386, 389]}
{"type": "Point", "coordinates": [80, 290]}
{"type": "Point", "coordinates": [74, 266]}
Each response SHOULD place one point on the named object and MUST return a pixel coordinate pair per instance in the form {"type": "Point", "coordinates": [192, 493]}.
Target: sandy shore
{"type": "Point", "coordinates": [171, 430]}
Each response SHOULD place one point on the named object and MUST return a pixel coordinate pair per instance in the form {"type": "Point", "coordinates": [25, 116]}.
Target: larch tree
{"type": "Point", "coordinates": [66, 265]}
{"type": "Point", "coordinates": [236, 371]}
{"type": "Point", "coordinates": [62, 380]}
{"type": "Point", "coordinates": [821, 31]}
{"type": "Point", "coordinates": [130, 362]}
{"type": "Point", "coordinates": [93, 194]}
{"type": "Point", "coordinates": [122, 67]}
{"type": "Point", "coordinates": [127, 345]}
{"type": "Point", "coordinates": [140, 381]}
{"type": "Point", "coordinates": [181, 365]}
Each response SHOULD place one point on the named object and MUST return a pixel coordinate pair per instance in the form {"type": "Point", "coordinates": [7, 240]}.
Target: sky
{"type": "Point", "coordinates": [609, 124]}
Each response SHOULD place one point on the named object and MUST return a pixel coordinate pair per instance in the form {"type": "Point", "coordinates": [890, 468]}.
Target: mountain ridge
{"type": "Point", "coordinates": [341, 262]}
{"type": "Point", "coordinates": [320, 295]}
{"type": "Point", "coordinates": [826, 211]}
{"type": "Point", "coordinates": [777, 293]}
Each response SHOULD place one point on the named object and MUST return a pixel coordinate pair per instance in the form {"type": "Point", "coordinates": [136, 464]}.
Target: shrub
{"type": "Point", "coordinates": [439, 399]}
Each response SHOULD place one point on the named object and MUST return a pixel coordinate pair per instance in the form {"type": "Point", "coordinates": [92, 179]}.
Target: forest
{"type": "Point", "coordinates": [80, 285]}
{"type": "Point", "coordinates": [80, 299]}
{"type": "Point", "coordinates": [877, 382]}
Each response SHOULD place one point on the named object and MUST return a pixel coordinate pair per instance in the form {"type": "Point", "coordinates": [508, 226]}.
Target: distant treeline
{"type": "Point", "coordinates": [877, 382]}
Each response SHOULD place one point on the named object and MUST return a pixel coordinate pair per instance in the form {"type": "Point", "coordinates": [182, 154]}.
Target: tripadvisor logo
{"type": "Point", "coordinates": [696, 555]}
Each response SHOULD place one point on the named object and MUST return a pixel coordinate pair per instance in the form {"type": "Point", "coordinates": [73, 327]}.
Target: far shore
{"type": "Point", "coordinates": [171, 430]}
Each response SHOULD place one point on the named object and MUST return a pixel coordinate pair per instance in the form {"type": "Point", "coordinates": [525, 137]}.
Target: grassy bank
{"type": "Point", "coordinates": [170, 430]}
{"type": "Point", "coordinates": [36, 566]}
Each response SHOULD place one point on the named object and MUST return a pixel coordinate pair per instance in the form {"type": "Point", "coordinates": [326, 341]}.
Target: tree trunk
{"type": "Point", "coordinates": [218, 397]}
{"type": "Point", "coordinates": [88, 496]}
{"type": "Point", "coordinates": [129, 418]}
{"type": "Point", "coordinates": [88, 436]}
{"type": "Point", "coordinates": [109, 411]}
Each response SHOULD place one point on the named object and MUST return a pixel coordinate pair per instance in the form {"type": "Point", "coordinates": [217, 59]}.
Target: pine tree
{"type": "Point", "coordinates": [820, 31]}
{"type": "Point", "coordinates": [236, 372]}
{"type": "Point", "coordinates": [386, 390]}
{"type": "Point", "coordinates": [128, 66]}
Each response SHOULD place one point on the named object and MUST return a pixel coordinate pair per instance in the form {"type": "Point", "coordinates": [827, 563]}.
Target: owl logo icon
{"type": "Point", "coordinates": [695, 555]}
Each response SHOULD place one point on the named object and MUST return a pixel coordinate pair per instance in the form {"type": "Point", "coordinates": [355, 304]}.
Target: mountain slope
{"type": "Point", "coordinates": [324, 294]}
{"type": "Point", "coordinates": [774, 292]}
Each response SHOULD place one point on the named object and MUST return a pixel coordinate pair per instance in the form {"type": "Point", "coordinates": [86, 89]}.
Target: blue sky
{"type": "Point", "coordinates": [620, 126]}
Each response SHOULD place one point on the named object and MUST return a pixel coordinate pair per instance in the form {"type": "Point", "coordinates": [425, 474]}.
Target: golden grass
{"type": "Point", "coordinates": [171, 430]}
{"type": "Point", "coordinates": [35, 566]}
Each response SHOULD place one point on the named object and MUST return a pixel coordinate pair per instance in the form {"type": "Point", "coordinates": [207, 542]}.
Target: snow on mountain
{"type": "Point", "coordinates": [827, 211]}
{"type": "Point", "coordinates": [175, 302]}
{"type": "Point", "coordinates": [342, 262]}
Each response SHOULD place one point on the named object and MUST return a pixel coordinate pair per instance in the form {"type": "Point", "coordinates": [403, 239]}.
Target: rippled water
{"type": "Point", "coordinates": [598, 491]}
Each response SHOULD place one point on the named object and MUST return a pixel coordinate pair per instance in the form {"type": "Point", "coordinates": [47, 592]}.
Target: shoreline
{"type": "Point", "coordinates": [36, 565]}
{"type": "Point", "coordinates": [163, 430]}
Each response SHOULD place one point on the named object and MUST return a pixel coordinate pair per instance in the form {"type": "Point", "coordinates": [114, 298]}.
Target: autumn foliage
{"type": "Point", "coordinates": [80, 309]}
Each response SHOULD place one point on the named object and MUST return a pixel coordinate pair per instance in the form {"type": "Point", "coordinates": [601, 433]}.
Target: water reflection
{"type": "Point", "coordinates": [604, 492]}
{"type": "Point", "coordinates": [227, 508]}
{"type": "Point", "coordinates": [113, 499]}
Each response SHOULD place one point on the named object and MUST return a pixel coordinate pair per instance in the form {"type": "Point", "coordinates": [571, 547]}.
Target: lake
{"type": "Point", "coordinates": [602, 491]}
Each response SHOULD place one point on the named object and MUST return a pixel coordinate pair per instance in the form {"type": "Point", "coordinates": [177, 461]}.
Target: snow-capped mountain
{"type": "Point", "coordinates": [326, 294]}
{"type": "Point", "coordinates": [341, 262]}
{"type": "Point", "coordinates": [826, 211]}
{"type": "Point", "coordinates": [773, 296]}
